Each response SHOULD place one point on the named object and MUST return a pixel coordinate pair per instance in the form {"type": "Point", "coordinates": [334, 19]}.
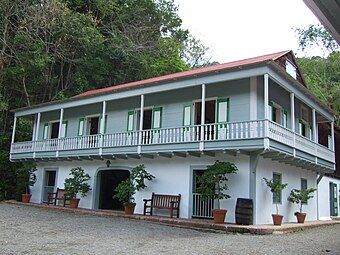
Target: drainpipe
{"type": "Point", "coordinates": [317, 195]}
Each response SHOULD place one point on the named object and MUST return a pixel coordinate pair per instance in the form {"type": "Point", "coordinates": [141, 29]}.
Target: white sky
{"type": "Point", "coordinates": [238, 29]}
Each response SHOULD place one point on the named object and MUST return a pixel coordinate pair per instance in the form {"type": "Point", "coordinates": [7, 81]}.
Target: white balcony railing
{"type": "Point", "coordinates": [191, 134]}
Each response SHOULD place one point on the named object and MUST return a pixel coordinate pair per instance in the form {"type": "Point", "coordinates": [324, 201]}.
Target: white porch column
{"type": "Point", "coordinates": [292, 119]}
{"type": "Point", "coordinates": [37, 128]}
{"type": "Point", "coordinates": [314, 135]}
{"type": "Point", "coordinates": [36, 137]}
{"type": "Point", "coordinates": [141, 117]}
{"type": "Point", "coordinates": [14, 128]}
{"type": "Point", "coordinates": [314, 125]}
{"type": "Point", "coordinates": [202, 117]}
{"type": "Point", "coordinates": [333, 137]}
{"type": "Point", "coordinates": [266, 110]}
{"type": "Point", "coordinates": [102, 121]}
{"type": "Point", "coordinates": [61, 117]}
{"type": "Point", "coordinates": [102, 128]}
{"type": "Point", "coordinates": [34, 127]}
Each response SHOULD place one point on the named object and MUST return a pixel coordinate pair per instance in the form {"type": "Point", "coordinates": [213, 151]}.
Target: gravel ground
{"type": "Point", "coordinates": [29, 230]}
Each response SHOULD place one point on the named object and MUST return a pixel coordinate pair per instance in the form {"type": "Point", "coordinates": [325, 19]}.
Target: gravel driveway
{"type": "Point", "coordinates": [29, 230]}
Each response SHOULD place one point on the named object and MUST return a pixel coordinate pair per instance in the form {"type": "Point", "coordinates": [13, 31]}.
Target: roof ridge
{"type": "Point", "coordinates": [187, 73]}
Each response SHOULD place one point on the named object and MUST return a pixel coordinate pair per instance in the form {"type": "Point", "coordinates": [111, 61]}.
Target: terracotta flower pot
{"type": "Point", "coordinates": [26, 198]}
{"type": "Point", "coordinates": [219, 215]}
{"type": "Point", "coordinates": [300, 217]}
{"type": "Point", "coordinates": [129, 208]}
{"type": "Point", "coordinates": [277, 219]}
{"type": "Point", "coordinates": [74, 202]}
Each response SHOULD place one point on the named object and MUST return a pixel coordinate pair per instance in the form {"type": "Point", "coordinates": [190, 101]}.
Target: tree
{"type": "Point", "coordinates": [316, 35]}
{"type": "Point", "coordinates": [321, 73]}
{"type": "Point", "coordinates": [213, 183]}
{"type": "Point", "coordinates": [55, 49]}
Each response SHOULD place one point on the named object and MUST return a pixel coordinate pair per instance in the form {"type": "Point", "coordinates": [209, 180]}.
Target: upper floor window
{"type": "Point", "coordinates": [51, 130]}
{"type": "Point", "coordinates": [291, 69]}
{"type": "Point", "coordinates": [278, 114]}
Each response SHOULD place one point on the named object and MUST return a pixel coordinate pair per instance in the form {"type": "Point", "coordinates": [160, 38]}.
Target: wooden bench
{"type": "Point", "coordinates": [59, 195]}
{"type": "Point", "coordinates": [160, 201]}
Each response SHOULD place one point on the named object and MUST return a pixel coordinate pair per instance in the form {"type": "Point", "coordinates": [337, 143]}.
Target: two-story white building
{"type": "Point", "coordinates": [257, 113]}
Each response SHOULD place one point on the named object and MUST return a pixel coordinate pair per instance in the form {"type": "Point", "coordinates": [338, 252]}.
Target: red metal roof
{"type": "Point", "coordinates": [187, 74]}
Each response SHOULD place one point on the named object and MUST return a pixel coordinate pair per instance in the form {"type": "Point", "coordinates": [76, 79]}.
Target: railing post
{"type": "Point", "coordinates": [292, 119]}
{"type": "Point", "coordinates": [201, 146]}
{"type": "Point", "coordinates": [140, 131]}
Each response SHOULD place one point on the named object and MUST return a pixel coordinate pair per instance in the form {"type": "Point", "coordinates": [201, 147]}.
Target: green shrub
{"type": "Point", "coordinates": [77, 183]}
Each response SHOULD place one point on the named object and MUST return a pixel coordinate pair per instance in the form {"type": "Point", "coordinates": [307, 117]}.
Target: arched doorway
{"type": "Point", "coordinates": [108, 181]}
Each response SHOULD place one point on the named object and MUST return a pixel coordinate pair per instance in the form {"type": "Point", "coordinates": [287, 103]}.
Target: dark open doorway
{"type": "Point", "coordinates": [209, 112]}
{"type": "Point", "coordinates": [109, 180]}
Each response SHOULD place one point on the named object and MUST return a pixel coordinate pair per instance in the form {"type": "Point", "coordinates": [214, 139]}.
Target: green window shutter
{"type": "Point", "coordinates": [45, 131]}
{"type": "Point", "coordinates": [64, 129]}
{"type": "Point", "coordinates": [130, 120]}
{"type": "Point", "coordinates": [223, 110]}
{"type": "Point", "coordinates": [81, 126]}
{"type": "Point", "coordinates": [156, 117]}
{"type": "Point", "coordinates": [187, 115]}
{"type": "Point", "coordinates": [105, 124]}
{"type": "Point", "coordinates": [302, 128]}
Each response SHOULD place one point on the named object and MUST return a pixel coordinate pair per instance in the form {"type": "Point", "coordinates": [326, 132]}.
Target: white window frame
{"type": "Point", "coordinates": [291, 69]}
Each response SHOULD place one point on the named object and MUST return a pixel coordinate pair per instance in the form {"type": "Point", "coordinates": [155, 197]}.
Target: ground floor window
{"type": "Point", "coordinates": [277, 196]}
{"type": "Point", "coordinates": [304, 187]}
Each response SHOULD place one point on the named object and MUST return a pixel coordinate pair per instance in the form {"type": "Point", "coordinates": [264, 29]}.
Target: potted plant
{"type": "Point", "coordinates": [301, 197]}
{"type": "Point", "coordinates": [213, 183]}
{"type": "Point", "coordinates": [127, 188]}
{"type": "Point", "coordinates": [275, 187]}
{"type": "Point", "coordinates": [77, 183]}
{"type": "Point", "coordinates": [26, 178]}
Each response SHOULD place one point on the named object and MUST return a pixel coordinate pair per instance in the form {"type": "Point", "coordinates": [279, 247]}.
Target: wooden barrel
{"type": "Point", "coordinates": [244, 211]}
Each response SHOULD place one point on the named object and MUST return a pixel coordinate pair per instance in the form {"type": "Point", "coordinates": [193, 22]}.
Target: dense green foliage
{"type": "Point", "coordinates": [301, 196]}
{"type": "Point", "coordinates": [322, 76]}
{"type": "Point", "coordinates": [54, 49]}
{"type": "Point", "coordinates": [213, 183]}
{"type": "Point", "coordinates": [321, 73]}
{"type": "Point", "coordinates": [275, 187]}
{"type": "Point", "coordinates": [77, 183]}
{"type": "Point", "coordinates": [136, 182]}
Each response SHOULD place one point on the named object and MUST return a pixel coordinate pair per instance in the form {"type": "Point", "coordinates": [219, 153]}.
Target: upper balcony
{"type": "Point", "coordinates": [180, 141]}
{"type": "Point", "coordinates": [253, 109]}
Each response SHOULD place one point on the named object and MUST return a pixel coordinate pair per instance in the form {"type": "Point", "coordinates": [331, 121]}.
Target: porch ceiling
{"type": "Point", "coordinates": [296, 161]}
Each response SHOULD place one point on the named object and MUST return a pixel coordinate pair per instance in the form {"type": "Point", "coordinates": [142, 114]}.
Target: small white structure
{"type": "Point", "coordinates": [250, 112]}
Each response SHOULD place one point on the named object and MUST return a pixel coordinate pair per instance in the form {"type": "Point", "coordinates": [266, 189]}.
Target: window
{"type": "Point", "coordinates": [304, 187]}
{"type": "Point", "coordinates": [277, 196]}
{"type": "Point", "coordinates": [278, 114]}
{"type": "Point", "coordinates": [291, 69]}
